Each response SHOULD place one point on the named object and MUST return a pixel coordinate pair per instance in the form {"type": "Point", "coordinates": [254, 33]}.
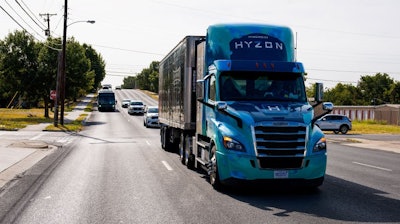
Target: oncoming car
{"type": "Point", "coordinates": [334, 122]}
{"type": "Point", "coordinates": [136, 107]}
{"type": "Point", "coordinates": [150, 118]}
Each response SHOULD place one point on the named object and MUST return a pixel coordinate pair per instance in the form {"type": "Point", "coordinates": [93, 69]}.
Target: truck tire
{"type": "Point", "coordinates": [213, 170]}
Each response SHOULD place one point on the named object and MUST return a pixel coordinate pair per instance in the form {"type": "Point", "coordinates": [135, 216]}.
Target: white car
{"type": "Point", "coordinates": [150, 118]}
{"type": "Point", "coordinates": [136, 107]}
{"type": "Point", "coordinates": [125, 103]}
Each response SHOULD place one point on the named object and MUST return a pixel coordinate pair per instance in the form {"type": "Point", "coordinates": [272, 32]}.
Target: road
{"type": "Point", "coordinates": [116, 172]}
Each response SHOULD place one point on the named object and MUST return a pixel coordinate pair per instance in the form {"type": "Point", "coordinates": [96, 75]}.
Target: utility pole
{"type": "Point", "coordinates": [47, 19]}
{"type": "Point", "coordinates": [63, 62]}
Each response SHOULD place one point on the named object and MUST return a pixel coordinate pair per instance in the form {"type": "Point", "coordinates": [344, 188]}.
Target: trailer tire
{"type": "Point", "coordinates": [187, 158]}
{"type": "Point", "coordinates": [182, 151]}
{"type": "Point", "coordinates": [165, 143]}
{"type": "Point", "coordinates": [214, 175]}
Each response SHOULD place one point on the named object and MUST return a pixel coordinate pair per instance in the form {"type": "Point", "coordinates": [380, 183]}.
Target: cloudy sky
{"type": "Point", "coordinates": [337, 40]}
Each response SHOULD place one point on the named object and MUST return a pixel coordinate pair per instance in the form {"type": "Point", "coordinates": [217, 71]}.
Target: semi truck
{"type": "Point", "coordinates": [234, 103]}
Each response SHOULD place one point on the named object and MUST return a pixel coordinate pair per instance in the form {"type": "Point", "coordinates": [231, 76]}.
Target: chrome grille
{"type": "Point", "coordinates": [280, 147]}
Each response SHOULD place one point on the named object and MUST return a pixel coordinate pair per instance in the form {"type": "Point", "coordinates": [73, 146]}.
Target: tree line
{"type": "Point", "coordinates": [28, 70]}
{"type": "Point", "coordinates": [147, 79]}
{"type": "Point", "coordinates": [370, 90]}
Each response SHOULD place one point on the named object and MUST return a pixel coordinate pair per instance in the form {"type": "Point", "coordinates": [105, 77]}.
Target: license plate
{"type": "Point", "coordinates": [281, 174]}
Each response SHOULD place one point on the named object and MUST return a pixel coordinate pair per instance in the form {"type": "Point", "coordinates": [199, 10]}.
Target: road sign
{"type": "Point", "coordinates": [53, 94]}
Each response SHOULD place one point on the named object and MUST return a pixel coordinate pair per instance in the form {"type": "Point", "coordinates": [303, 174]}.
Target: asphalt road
{"type": "Point", "coordinates": [116, 172]}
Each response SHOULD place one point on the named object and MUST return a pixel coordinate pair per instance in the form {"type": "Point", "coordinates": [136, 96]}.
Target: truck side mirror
{"type": "Point", "coordinates": [319, 92]}
{"type": "Point", "coordinates": [200, 90]}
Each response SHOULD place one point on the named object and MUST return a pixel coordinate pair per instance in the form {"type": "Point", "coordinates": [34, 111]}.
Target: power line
{"type": "Point", "coordinates": [21, 19]}
{"type": "Point", "coordinates": [37, 19]}
{"type": "Point", "coordinates": [122, 49]}
{"type": "Point", "coordinates": [28, 14]}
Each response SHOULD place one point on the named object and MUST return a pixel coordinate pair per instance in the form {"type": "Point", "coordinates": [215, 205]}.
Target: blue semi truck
{"type": "Point", "coordinates": [234, 103]}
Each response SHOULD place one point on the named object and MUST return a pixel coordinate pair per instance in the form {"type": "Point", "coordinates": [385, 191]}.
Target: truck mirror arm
{"type": "Point", "coordinates": [223, 111]}
{"type": "Point", "coordinates": [328, 107]}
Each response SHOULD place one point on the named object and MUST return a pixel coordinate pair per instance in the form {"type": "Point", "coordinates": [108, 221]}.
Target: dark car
{"type": "Point", "coordinates": [334, 122]}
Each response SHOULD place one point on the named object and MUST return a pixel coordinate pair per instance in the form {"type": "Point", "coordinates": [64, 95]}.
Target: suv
{"type": "Point", "coordinates": [150, 118]}
{"type": "Point", "coordinates": [136, 107]}
{"type": "Point", "coordinates": [334, 122]}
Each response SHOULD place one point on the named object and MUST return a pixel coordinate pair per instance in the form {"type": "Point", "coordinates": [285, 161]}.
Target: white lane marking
{"type": "Point", "coordinates": [167, 165]}
{"type": "Point", "coordinates": [147, 142]}
{"type": "Point", "coordinates": [376, 167]}
{"type": "Point", "coordinates": [37, 136]}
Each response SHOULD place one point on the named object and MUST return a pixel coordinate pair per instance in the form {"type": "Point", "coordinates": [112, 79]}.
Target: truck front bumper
{"type": "Point", "coordinates": [233, 167]}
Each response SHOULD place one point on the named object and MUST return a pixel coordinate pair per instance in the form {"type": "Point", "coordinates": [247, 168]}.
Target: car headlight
{"type": "Point", "coordinates": [231, 144]}
{"type": "Point", "coordinates": [320, 145]}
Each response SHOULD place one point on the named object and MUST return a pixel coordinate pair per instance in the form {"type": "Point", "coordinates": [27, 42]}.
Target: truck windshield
{"type": "Point", "coordinates": [261, 86]}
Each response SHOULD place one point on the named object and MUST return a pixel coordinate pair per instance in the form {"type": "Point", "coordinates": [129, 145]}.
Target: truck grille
{"type": "Point", "coordinates": [280, 147]}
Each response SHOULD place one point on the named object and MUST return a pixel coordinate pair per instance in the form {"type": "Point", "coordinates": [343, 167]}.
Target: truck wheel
{"type": "Point", "coordinates": [344, 129]}
{"type": "Point", "coordinates": [213, 170]}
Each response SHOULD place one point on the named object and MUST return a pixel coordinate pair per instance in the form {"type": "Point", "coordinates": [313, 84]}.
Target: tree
{"type": "Point", "coordinates": [375, 88]}
{"type": "Point", "coordinates": [97, 65]}
{"type": "Point", "coordinates": [129, 82]}
{"type": "Point", "coordinates": [47, 70]}
{"type": "Point", "coordinates": [394, 93]}
{"type": "Point", "coordinates": [344, 94]}
{"type": "Point", "coordinates": [79, 77]}
{"type": "Point", "coordinates": [18, 66]}
{"type": "Point", "coordinates": [147, 79]}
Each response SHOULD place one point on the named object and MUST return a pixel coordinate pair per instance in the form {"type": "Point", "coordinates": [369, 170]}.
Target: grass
{"type": "Point", "coordinates": [74, 126]}
{"type": "Point", "coordinates": [151, 94]}
{"type": "Point", "coordinates": [15, 119]}
{"type": "Point", "coordinates": [373, 127]}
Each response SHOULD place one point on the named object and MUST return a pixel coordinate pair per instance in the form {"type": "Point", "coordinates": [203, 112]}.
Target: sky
{"type": "Point", "coordinates": [338, 41]}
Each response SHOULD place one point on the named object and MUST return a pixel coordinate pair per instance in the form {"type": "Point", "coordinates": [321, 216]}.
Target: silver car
{"type": "Point", "coordinates": [125, 103]}
{"type": "Point", "coordinates": [334, 122]}
{"type": "Point", "coordinates": [136, 107]}
{"type": "Point", "coordinates": [150, 118]}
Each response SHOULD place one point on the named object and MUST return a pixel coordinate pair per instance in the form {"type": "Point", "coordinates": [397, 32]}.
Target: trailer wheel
{"type": "Point", "coordinates": [213, 170]}
{"type": "Point", "coordinates": [165, 143]}
{"type": "Point", "coordinates": [187, 158]}
{"type": "Point", "coordinates": [182, 151]}
{"type": "Point", "coordinates": [162, 137]}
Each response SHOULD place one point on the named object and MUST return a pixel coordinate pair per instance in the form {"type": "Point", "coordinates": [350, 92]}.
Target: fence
{"type": "Point", "coordinates": [387, 112]}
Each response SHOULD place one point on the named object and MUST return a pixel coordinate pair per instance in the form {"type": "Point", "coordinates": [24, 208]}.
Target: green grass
{"type": "Point", "coordinates": [373, 127]}
{"type": "Point", "coordinates": [15, 119]}
{"type": "Point", "coordinates": [74, 126]}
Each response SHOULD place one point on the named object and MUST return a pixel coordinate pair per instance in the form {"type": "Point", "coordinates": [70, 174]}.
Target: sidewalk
{"type": "Point", "coordinates": [16, 156]}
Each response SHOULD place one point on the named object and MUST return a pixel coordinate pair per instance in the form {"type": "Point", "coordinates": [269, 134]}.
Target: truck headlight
{"type": "Point", "coordinates": [320, 145]}
{"type": "Point", "coordinates": [231, 144]}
